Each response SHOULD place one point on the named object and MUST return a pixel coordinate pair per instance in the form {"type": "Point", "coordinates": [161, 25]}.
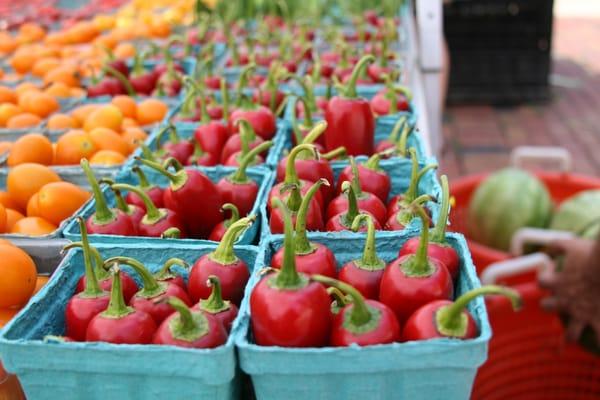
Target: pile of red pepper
{"type": "Point", "coordinates": [109, 306]}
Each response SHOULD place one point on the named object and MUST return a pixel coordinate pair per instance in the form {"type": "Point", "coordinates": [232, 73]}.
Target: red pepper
{"type": "Point", "coordinates": [444, 318]}
{"type": "Point", "coordinates": [309, 105]}
{"type": "Point", "coordinates": [301, 131]}
{"type": "Point", "coordinates": [371, 178]}
{"type": "Point", "coordinates": [363, 322]}
{"type": "Point", "coordinates": [219, 230]}
{"type": "Point", "coordinates": [414, 280]}
{"type": "Point", "coordinates": [366, 201]}
{"type": "Point", "coordinates": [343, 220]}
{"type": "Point", "coordinates": [402, 218]}
{"type": "Point", "coordinates": [286, 308]}
{"type": "Point", "coordinates": [142, 81]}
{"type": "Point", "coordinates": [313, 219]}
{"type": "Point", "coordinates": [397, 138]}
{"type": "Point", "coordinates": [365, 273]}
{"type": "Point", "coordinates": [231, 270]}
{"type": "Point", "coordinates": [237, 188]}
{"type": "Point", "coordinates": [117, 84]}
{"type": "Point", "coordinates": [119, 323]}
{"type": "Point", "coordinates": [202, 158]}
{"type": "Point", "coordinates": [211, 135]}
{"type": "Point", "coordinates": [148, 299]}
{"type": "Point", "coordinates": [247, 146]}
{"type": "Point", "coordinates": [165, 274]}
{"type": "Point", "coordinates": [340, 300]}
{"type": "Point", "coordinates": [174, 147]}
{"type": "Point", "coordinates": [350, 119]}
{"type": "Point", "coordinates": [268, 94]}
{"type": "Point", "coordinates": [134, 212]}
{"type": "Point", "coordinates": [438, 247]}
{"type": "Point", "coordinates": [119, 65]}
{"type": "Point", "coordinates": [223, 310]}
{"type": "Point", "coordinates": [311, 258]}
{"type": "Point", "coordinates": [85, 305]}
{"type": "Point", "coordinates": [156, 220]}
{"type": "Point", "coordinates": [378, 72]}
{"type": "Point", "coordinates": [189, 328]}
{"type": "Point", "coordinates": [236, 142]}
{"type": "Point", "coordinates": [108, 221]}
{"type": "Point", "coordinates": [154, 192]}
{"type": "Point", "coordinates": [188, 190]}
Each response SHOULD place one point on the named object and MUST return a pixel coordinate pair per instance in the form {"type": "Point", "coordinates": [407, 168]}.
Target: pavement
{"type": "Point", "coordinates": [480, 138]}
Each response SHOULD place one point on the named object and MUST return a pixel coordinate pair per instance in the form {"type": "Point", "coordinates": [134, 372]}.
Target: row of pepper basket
{"type": "Point", "coordinates": [305, 248]}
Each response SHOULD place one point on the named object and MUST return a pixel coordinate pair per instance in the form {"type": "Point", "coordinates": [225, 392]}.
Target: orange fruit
{"type": "Point", "coordinates": [107, 139]}
{"type": "Point", "coordinates": [124, 50]}
{"type": "Point", "coordinates": [7, 111]}
{"type": "Point", "coordinates": [33, 207]}
{"type": "Point", "coordinates": [41, 104]}
{"type": "Point", "coordinates": [12, 216]}
{"type": "Point", "coordinates": [72, 146]}
{"type": "Point", "coordinates": [107, 158]}
{"type": "Point", "coordinates": [25, 87]}
{"type": "Point", "coordinates": [9, 202]}
{"type": "Point", "coordinates": [7, 95]}
{"type": "Point", "coordinates": [3, 220]}
{"type": "Point", "coordinates": [31, 32]}
{"type": "Point", "coordinates": [159, 28]}
{"type": "Point", "coordinates": [33, 226]}
{"type": "Point", "coordinates": [126, 104]}
{"type": "Point", "coordinates": [7, 43]}
{"type": "Point", "coordinates": [40, 282]}
{"type": "Point", "coordinates": [77, 92]}
{"type": "Point", "coordinates": [82, 112]}
{"type": "Point", "coordinates": [31, 148]}
{"type": "Point", "coordinates": [6, 314]}
{"type": "Point", "coordinates": [150, 111]}
{"type": "Point", "coordinates": [24, 120]}
{"type": "Point", "coordinates": [22, 60]}
{"type": "Point", "coordinates": [5, 147]}
{"type": "Point", "coordinates": [43, 65]}
{"type": "Point", "coordinates": [25, 180]}
{"type": "Point", "coordinates": [25, 98]}
{"type": "Point", "coordinates": [19, 276]}
{"type": "Point", "coordinates": [132, 136]}
{"type": "Point", "coordinates": [106, 116]}
{"type": "Point", "coordinates": [129, 123]}
{"type": "Point", "coordinates": [58, 89]}
{"type": "Point", "coordinates": [57, 201]}
{"type": "Point", "coordinates": [64, 74]}
{"type": "Point", "coordinates": [61, 121]}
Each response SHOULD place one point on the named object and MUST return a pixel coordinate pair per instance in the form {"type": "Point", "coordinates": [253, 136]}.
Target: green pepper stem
{"type": "Point", "coordinates": [188, 325]}
{"type": "Point", "coordinates": [411, 192]}
{"type": "Point", "coordinates": [355, 179]}
{"type": "Point", "coordinates": [152, 287]}
{"type": "Point", "coordinates": [303, 246]}
{"type": "Point", "coordinates": [369, 260]}
{"type": "Point", "coordinates": [243, 82]}
{"type": "Point", "coordinates": [338, 297]}
{"type": "Point", "coordinates": [235, 214]}
{"type": "Point", "coordinates": [225, 99]}
{"type": "Point", "coordinates": [360, 314]}
{"type": "Point", "coordinates": [295, 198]}
{"type": "Point", "coordinates": [316, 131]}
{"type": "Point", "coordinates": [103, 215]}
{"type": "Point", "coordinates": [373, 162]}
{"type": "Point", "coordinates": [335, 153]}
{"type": "Point", "coordinates": [117, 308]}
{"type": "Point", "coordinates": [288, 276]}
{"type": "Point", "coordinates": [120, 201]}
{"type": "Point", "coordinates": [400, 123]}
{"type": "Point", "coordinates": [350, 89]}
{"type": "Point", "coordinates": [240, 176]}
{"type": "Point", "coordinates": [438, 234]}
{"type": "Point", "coordinates": [166, 273]}
{"type": "Point", "coordinates": [450, 320]}
{"type": "Point", "coordinates": [171, 233]}
{"type": "Point", "coordinates": [419, 265]}
{"type": "Point", "coordinates": [291, 175]}
{"type": "Point", "coordinates": [121, 78]}
{"type": "Point", "coordinates": [215, 303]}
{"type": "Point", "coordinates": [353, 209]}
{"type": "Point", "coordinates": [92, 287]}
{"type": "Point", "coordinates": [147, 154]}
{"type": "Point", "coordinates": [403, 141]}
{"type": "Point", "coordinates": [177, 180]}
{"type": "Point", "coordinates": [144, 184]}
{"type": "Point", "coordinates": [294, 122]}
{"type": "Point", "coordinates": [224, 253]}
{"type": "Point", "coordinates": [153, 214]}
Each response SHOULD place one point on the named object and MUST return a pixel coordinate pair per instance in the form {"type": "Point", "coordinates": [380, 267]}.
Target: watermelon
{"type": "Point", "coordinates": [503, 203]}
{"type": "Point", "coordinates": [579, 214]}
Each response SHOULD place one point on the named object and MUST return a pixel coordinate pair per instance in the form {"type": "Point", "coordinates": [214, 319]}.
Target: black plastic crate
{"type": "Point", "coordinates": [499, 50]}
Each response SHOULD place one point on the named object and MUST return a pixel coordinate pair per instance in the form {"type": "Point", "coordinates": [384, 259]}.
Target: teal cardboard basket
{"type": "Point", "coordinates": [70, 371]}
{"type": "Point", "coordinates": [262, 176]}
{"type": "Point", "coordinates": [433, 369]}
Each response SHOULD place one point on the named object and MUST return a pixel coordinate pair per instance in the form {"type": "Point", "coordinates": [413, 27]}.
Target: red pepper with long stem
{"type": "Point", "coordinates": [142, 81]}
{"type": "Point", "coordinates": [219, 230]}
{"type": "Point", "coordinates": [301, 130]}
{"type": "Point", "coordinates": [447, 319]}
{"type": "Point", "coordinates": [148, 298]}
{"type": "Point", "coordinates": [134, 212]}
{"type": "Point", "coordinates": [166, 274]}
{"type": "Point", "coordinates": [402, 218]}
{"type": "Point", "coordinates": [175, 147]}
{"type": "Point", "coordinates": [313, 218]}
{"type": "Point", "coordinates": [397, 138]}
{"type": "Point", "coordinates": [362, 322]}
{"type": "Point", "coordinates": [119, 323]}
{"type": "Point", "coordinates": [189, 328]}
{"type": "Point", "coordinates": [343, 220]}
{"type": "Point", "coordinates": [236, 142]}
{"type": "Point", "coordinates": [156, 220]}
{"type": "Point", "coordinates": [365, 273]}
{"type": "Point", "coordinates": [350, 119]}
{"type": "Point", "coordinates": [340, 300]}
{"type": "Point", "coordinates": [231, 270]}
{"type": "Point", "coordinates": [414, 280]}
{"type": "Point", "coordinates": [366, 201]}
{"type": "Point", "coordinates": [234, 159]}
{"type": "Point", "coordinates": [237, 188]}
{"type": "Point", "coordinates": [105, 220]}
{"type": "Point", "coordinates": [210, 135]}
{"type": "Point", "coordinates": [391, 100]}
{"type": "Point", "coordinates": [311, 258]}
{"type": "Point", "coordinates": [286, 308]}
{"type": "Point", "coordinates": [85, 305]}
{"type": "Point", "coordinates": [371, 177]}
{"type": "Point", "coordinates": [438, 247]}
{"type": "Point", "coordinates": [268, 94]}
{"type": "Point", "coordinates": [223, 310]}
{"type": "Point", "coordinates": [309, 104]}
{"type": "Point", "coordinates": [202, 158]}
{"type": "Point", "coordinates": [190, 188]}
{"type": "Point", "coordinates": [154, 192]}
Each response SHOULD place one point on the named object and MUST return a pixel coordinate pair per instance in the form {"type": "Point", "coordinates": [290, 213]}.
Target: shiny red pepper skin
{"type": "Point", "coordinates": [233, 279]}
{"type": "Point", "coordinates": [212, 137]}
{"type": "Point", "coordinates": [136, 214]}
{"type": "Point", "coordinates": [321, 261]}
{"type": "Point", "coordinates": [153, 306]}
{"type": "Point", "coordinates": [381, 105]}
{"type": "Point", "coordinates": [234, 144]}
{"type": "Point", "coordinates": [372, 181]}
{"type": "Point", "coordinates": [177, 280]}
{"type": "Point", "coordinates": [335, 224]}
{"type": "Point", "coordinates": [203, 160]}
{"type": "Point", "coordinates": [137, 327]}
{"type": "Point", "coordinates": [444, 253]}
{"type": "Point", "coordinates": [80, 311]}
{"type": "Point", "coordinates": [421, 324]}
{"type": "Point", "coordinates": [366, 202]}
{"type": "Point", "coordinates": [290, 318]}
{"type": "Point", "coordinates": [365, 281]}
{"type": "Point", "coordinates": [263, 97]}
{"type": "Point", "coordinates": [215, 337]}
{"type": "Point", "coordinates": [122, 225]}
{"type": "Point", "coordinates": [387, 330]}
{"type": "Point", "coordinates": [405, 294]}
{"type": "Point", "coordinates": [314, 219]}
{"type": "Point", "coordinates": [226, 317]}
{"type": "Point", "coordinates": [243, 196]}
{"type": "Point", "coordinates": [350, 124]}
{"type": "Point", "coordinates": [181, 150]}
{"type": "Point", "coordinates": [170, 220]}
{"type": "Point", "coordinates": [218, 231]}
{"type": "Point", "coordinates": [155, 193]}
{"type": "Point", "coordinates": [260, 118]}
{"type": "Point", "coordinates": [304, 187]}
{"type": "Point", "coordinates": [128, 284]}
{"type": "Point", "coordinates": [311, 171]}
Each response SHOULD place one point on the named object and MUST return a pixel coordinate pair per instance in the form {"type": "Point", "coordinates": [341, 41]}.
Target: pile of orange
{"type": "Point", "coordinates": [19, 280]}
{"type": "Point", "coordinates": [36, 200]}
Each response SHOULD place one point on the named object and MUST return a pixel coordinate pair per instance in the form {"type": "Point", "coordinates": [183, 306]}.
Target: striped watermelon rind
{"type": "Point", "coordinates": [579, 214]}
